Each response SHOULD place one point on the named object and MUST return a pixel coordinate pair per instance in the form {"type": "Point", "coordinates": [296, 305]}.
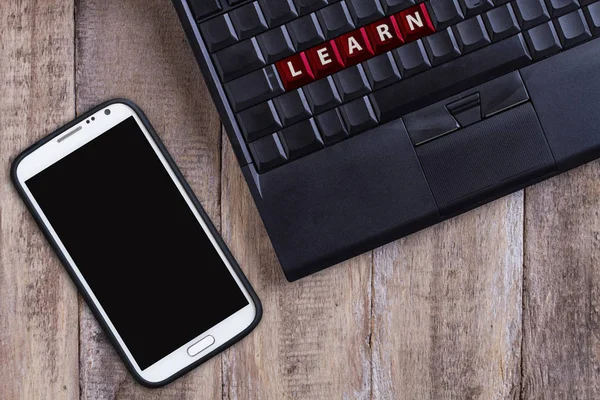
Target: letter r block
{"type": "Point", "coordinates": [385, 35]}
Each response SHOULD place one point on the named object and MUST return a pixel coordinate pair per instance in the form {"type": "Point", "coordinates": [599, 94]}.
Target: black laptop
{"type": "Point", "coordinates": [357, 122]}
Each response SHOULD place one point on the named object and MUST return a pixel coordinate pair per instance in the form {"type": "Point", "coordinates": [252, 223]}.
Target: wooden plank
{"type": "Point", "coordinates": [313, 341]}
{"type": "Point", "coordinates": [561, 346]}
{"type": "Point", "coordinates": [38, 303]}
{"type": "Point", "coordinates": [136, 49]}
{"type": "Point", "coordinates": [447, 308]}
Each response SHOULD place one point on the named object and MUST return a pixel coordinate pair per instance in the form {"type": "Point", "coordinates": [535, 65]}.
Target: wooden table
{"type": "Point", "coordinates": [501, 302]}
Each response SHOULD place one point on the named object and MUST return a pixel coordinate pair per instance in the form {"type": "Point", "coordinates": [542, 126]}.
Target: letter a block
{"type": "Point", "coordinates": [354, 47]}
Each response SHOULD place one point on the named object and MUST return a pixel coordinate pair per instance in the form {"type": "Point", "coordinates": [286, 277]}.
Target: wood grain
{"type": "Point", "coordinates": [38, 303]}
{"type": "Point", "coordinates": [136, 49]}
{"type": "Point", "coordinates": [313, 341]}
{"type": "Point", "coordinates": [561, 320]}
{"type": "Point", "coordinates": [447, 308]}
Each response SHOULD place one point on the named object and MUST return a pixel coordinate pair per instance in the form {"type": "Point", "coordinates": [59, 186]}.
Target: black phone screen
{"type": "Point", "coordinates": [136, 242]}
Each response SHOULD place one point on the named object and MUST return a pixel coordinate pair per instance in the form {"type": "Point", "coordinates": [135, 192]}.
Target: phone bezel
{"type": "Point", "coordinates": [74, 137]}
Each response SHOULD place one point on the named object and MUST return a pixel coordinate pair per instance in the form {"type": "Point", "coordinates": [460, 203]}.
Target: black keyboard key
{"type": "Point", "coordinates": [306, 32]}
{"type": "Point", "coordinates": [531, 12]}
{"type": "Point", "coordinates": [322, 95]}
{"type": "Point", "coordinates": [218, 33]}
{"type": "Point", "coordinates": [381, 70]}
{"type": "Point", "coordinates": [248, 20]}
{"type": "Point", "coordinates": [301, 139]}
{"type": "Point", "coordinates": [359, 115]}
{"type": "Point", "coordinates": [267, 152]}
{"type": "Point", "coordinates": [561, 7]}
{"type": "Point", "coordinates": [501, 22]}
{"type": "Point", "coordinates": [352, 82]}
{"type": "Point", "coordinates": [239, 59]}
{"type": "Point", "coordinates": [278, 12]}
{"type": "Point", "coordinates": [335, 20]}
{"type": "Point", "coordinates": [593, 16]}
{"type": "Point", "coordinates": [572, 29]}
{"type": "Point", "coordinates": [203, 8]}
{"type": "Point", "coordinates": [331, 126]}
{"type": "Point", "coordinates": [259, 121]}
{"type": "Point", "coordinates": [471, 35]}
{"type": "Point", "coordinates": [308, 6]}
{"type": "Point", "coordinates": [543, 41]}
{"type": "Point", "coordinates": [441, 47]}
{"type": "Point", "coordinates": [450, 78]}
{"type": "Point", "coordinates": [393, 6]}
{"type": "Point", "coordinates": [254, 88]}
{"type": "Point", "coordinates": [445, 13]}
{"type": "Point", "coordinates": [276, 44]}
{"type": "Point", "coordinates": [474, 7]}
{"type": "Point", "coordinates": [412, 58]}
{"type": "Point", "coordinates": [365, 11]}
{"type": "Point", "coordinates": [292, 107]}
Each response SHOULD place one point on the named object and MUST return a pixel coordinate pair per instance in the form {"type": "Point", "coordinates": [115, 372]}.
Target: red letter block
{"type": "Point", "coordinates": [324, 59]}
{"type": "Point", "coordinates": [294, 71]}
{"type": "Point", "coordinates": [415, 23]}
{"type": "Point", "coordinates": [385, 35]}
{"type": "Point", "coordinates": [354, 47]}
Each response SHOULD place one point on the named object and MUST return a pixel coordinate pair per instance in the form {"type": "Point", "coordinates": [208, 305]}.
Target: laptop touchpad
{"type": "Point", "coordinates": [485, 159]}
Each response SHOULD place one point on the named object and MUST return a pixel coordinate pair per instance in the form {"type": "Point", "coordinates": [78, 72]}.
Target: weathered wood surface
{"type": "Point", "coordinates": [447, 308]}
{"type": "Point", "coordinates": [499, 303]}
{"type": "Point", "coordinates": [561, 316]}
{"type": "Point", "coordinates": [38, 303]}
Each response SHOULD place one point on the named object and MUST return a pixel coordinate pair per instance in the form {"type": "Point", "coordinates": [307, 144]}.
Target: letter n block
{"type": "Point", "coordinates": [415, 23]}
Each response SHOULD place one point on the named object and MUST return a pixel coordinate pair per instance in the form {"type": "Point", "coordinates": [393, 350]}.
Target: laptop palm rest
{"type": "Point", "coordinates": [564, 90]}
{"type": "Point", "coordinates": [486, 159]}
{"type": "Point", "coordinates": [345, 198]}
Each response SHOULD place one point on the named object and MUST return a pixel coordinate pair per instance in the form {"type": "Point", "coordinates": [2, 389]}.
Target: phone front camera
{"type": "Point", "coordinates": [107, 111]}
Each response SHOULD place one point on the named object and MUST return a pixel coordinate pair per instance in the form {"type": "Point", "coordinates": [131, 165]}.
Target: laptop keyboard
{"type": "Point", "coordinates": [301, 75]}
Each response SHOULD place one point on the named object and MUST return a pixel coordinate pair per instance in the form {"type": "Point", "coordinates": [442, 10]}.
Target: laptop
{"type": "Point", "coordinates": [358, 122]}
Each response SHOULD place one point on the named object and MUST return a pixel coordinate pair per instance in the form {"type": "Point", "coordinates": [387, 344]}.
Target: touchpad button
{"type": "Point", "coordinates": [485, 159]}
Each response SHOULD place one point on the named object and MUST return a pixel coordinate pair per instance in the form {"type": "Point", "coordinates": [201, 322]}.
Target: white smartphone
{"type": "Point", "coordinates": [136, 242]}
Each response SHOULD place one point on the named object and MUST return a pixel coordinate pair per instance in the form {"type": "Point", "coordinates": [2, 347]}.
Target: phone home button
{"type": "Point", "coordinates": [201, 345]}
